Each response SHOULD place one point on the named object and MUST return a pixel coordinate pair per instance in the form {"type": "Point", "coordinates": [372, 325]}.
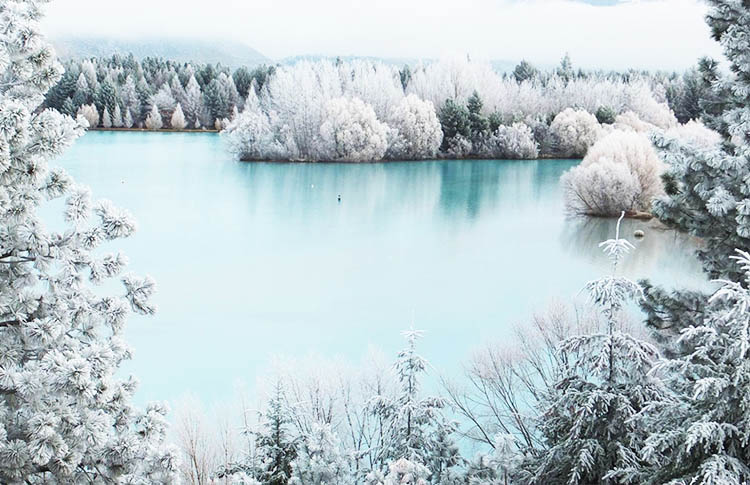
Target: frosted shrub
{"type": "Point", "coordinates": [641, 100]}
{"type": "Point", "coordinates": [516, 142]}
{"type": "Point", "coordinates": [250, 137]}
{"type": "Point", "coordinates": [153, 120]}
{"type": "Point", "coordinates": [351, 132]}
{"type": "Point", "coordinates": [320, 460]}
{"type": "Point", "coordinates": [695, 133]}
{"type": "Point", "coordinates": [405, 472]}
{"type": "Point", "coordinates": [415, 130]}
{"type": "Point", "coordinates": [576, 131]}
{"type": "Point", "coordinates": [90, 114]}
{"type": "Point", "coordinates": [66, 413]}
{"type": "Point", "coordinates": [621, 172]}
{"type": "Point", "coordinates": [630, 121]}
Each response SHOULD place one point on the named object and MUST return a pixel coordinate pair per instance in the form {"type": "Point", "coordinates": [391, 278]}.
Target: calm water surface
{"type": "Point", "coordinates": [254, 260]}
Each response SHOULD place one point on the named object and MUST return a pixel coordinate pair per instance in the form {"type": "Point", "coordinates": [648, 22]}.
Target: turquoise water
{"type": "Point", "coordinates": [256, 260]}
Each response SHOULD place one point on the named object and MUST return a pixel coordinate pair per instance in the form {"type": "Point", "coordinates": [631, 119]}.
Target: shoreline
{"type": "Point", "coordinates": [162, 130]}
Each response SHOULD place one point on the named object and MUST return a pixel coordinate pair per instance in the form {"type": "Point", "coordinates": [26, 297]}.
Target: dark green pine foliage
{"type": "Point", "coordinates": [455, 121]}
{"type": "Point", "coordinates": [63, 90]}
{"type": "Point", "coordinates": [106, 97]}
{"type": "Point", "coordinates": [606, 115]}
{"type": "Point", "coordinates": [405, 76]}
{"type": "Point", "coordinates": [525, 71]}
{"type": "Point", "coordinates": [215, 100]}
{"type": "Point", "coordinates": [478, 123]}
{"type": "Point", "coordinates": [243, 79]}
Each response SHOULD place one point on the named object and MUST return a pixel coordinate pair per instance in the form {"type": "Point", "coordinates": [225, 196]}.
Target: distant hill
{"type": "Point", "coordinates": [230, 54]}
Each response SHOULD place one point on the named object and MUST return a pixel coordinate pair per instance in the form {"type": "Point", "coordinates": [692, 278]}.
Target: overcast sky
{"type": "Point", "coordinates": [652, 34]}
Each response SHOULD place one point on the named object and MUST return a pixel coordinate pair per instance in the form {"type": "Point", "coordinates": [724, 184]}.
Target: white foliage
{"type": "Point", "coordinates": [320, 460]}
{"type": "Point", "coordinates": [117, 117]}
{"type": "Point", "coordinates": [90, 114]}
{"type": "Point", "coordinates": [515, 142]}
{"type": "Point", "coordinates": [621, 172]}
{"type": "Point", "coordinates": [695, 133]}
{"type": "Point", "coordinates": [416, 131]}
{"type": "Point", "coordinates": [178, 119]}
{"type": "Point", "coordinates": [65, 411]}
{"type": "Point", "coordinates": [127, 122]}
{"type": "Point", "coordinates": [153, 120]}
{"type": "Point", "coordinates": [576, 131]}
{"type": "Point", "coordinates": [106, 118]}
{"type": "Point", "coordinates": [351, 132]}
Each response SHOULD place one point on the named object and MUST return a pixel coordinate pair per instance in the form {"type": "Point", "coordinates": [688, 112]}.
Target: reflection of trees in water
{"type": "Point", "coordinates": [661, 253]}
{"type": "Point", "coordinates": [455, 191]}
{"type": "Point", "coordinates": [469, 187]}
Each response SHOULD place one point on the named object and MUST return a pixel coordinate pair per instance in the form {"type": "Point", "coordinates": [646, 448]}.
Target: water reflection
{"type": "Point", "coordinates": [660, 255]}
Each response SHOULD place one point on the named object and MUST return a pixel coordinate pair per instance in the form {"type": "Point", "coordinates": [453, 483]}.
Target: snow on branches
{"type": "Point", "coordinates": [65, 415]}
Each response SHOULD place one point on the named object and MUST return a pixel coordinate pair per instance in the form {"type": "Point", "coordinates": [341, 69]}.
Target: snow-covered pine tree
{"type": "Point", "coordinates": [701, 433]}
{"type": "Point", "coordinates": [106, 118]}
{"type": "Point", "coordinates": [127, 122]}
{"type": "Point", "coordinates": [587, 417]}
{"type": "Point", "coordinates": [153, 120]}
{"type": "Point", "coordinates": [117, 117]}
{"type": "Point", "coordinates": [65, 416]}
{"type": "Point", "coordinates": [178, 119]}
{"type": "Point", "coordinates": [708, 189]}
{"type": "Point", "coordinates": [320, 460]}
{"type": "Point", "coordinates": [415, 428]}
{"type": "Point", "coordinates": [276, 449]}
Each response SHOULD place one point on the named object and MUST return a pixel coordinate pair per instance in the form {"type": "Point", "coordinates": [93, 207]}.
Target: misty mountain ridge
{"type": "Point", "coordinates": [228, 53]}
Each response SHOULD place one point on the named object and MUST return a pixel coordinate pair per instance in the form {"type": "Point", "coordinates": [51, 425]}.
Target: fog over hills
{"type": "Point", "coordinates": [228, 53]}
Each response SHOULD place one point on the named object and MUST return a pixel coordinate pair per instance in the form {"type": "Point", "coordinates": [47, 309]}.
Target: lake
{"type": "Point", "coordinates": [255, 260]}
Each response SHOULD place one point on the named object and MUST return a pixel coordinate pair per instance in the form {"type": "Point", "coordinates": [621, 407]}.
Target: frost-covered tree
{"type": "Point", "coordinates": [707, 188]}
{"type": "Point", "coordinates": [193, 104]}
{"type": "Point", "coordinates": [621, 172]}
{"type": "Point", "coordinates": [253, 136]}
{"type": "Point", "coordinates": [117, 117]}
{"type": "Point", "coordinates": [127, 122]}
{"type": "Point", "coordinates": [576, 130]}
{"type": "Point", "coordinates": [587, 420]}
{"type": "Point", "coordinates": [320, 460]}
{"type": "Point", "coordinates": [153, 120]}
{"type": "Point", "coordinates": [163, 99]}
{"type": "Point", "coordinates": [66, 414]}
{"type": "Point", "coordinates": [514, 142]}
{"type": "Point", "coordinates": [416, 131]}
{"type": "Point", "coordinates": [351, 132]}
{"type": "Point", "coordinates": [90, 114]}
{"type": "Point", "coordinates": [404, 472]}
{"type": "Point", "coordinates": [415, 428]}
{"type": "Point", "coordinates": [701, 433]}
{"type": "Point", "coordinates": [106, 118]}
{"type": "Point", "coordinates": [276, 449]}
{"type": "Point", "coordinates": [478, 123]}
{"type": "Point", "coordinates": [525, 71]}
{"type": "Point", "coordinates": [178, 119]}
{"type": "Point", "coordinates": [454, 118]}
